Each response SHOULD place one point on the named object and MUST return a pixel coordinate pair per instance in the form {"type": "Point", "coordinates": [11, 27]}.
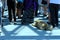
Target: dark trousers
{"type": "Point", "coordinates": [28, 16]}
{"type": "Point", "coordinates": [11, 10]}
{"type": "Point", "coordinates": [36, 9]}
{"type": "Point", "coordinates": [54, 14]}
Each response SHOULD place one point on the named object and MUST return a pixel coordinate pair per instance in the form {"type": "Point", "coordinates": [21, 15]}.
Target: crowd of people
{"type": "Point", "coordinates": [29, 8]}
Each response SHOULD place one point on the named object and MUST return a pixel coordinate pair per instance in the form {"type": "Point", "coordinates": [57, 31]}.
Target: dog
{"type": "Point", "coordinates": [42, 25]}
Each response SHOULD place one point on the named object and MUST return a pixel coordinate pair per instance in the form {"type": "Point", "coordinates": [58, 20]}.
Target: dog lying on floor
{"type": "Point", "coordinates": [42, 25]}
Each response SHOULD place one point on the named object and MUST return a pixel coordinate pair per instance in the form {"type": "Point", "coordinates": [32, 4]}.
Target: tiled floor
{"type": "Point", "coordinates": [27, 31]}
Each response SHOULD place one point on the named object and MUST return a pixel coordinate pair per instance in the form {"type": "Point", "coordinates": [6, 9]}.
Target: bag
{"type": "Point", "coordinates": [42, 25]}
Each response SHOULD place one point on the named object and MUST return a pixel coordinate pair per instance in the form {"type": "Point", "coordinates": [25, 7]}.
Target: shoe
{"type": "Point", "coordinates": [4, 16]}
{"type": "Point", "coordinates": [48, 23]}
{"type": "Point", "coordinates": [31, 22]}
{"type": "Point", "coordinates": [44, 15]}
{"type": "Point", "coordinates": [53, 26]}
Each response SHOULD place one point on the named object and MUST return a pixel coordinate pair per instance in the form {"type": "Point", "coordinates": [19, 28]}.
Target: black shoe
{"type": "Point", "coordinates": [48, 23]}
{"type": "Point", "coordinates": [44, 15]}
{"type": "Point", "coordinates": [6, 10]}
{"type": "Point", "coordinates": [31, 22]}
{"type": "Point", "coordinates": [53, 26]}
{"type": "Point", "coordinates": [4, 16]}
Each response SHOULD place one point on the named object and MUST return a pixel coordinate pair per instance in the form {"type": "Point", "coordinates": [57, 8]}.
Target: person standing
{"type": "Point", "coordinates": [19, 8]}
{"type": "Point", "coordinates": [11, 9]}
{"type": "Point", "coordinates": [4, 7]}
{"type": "Point", "coordinates": [35, 7]}
{"type": "Point", "coordinates": [28, 14]}
{"type": "Point", "coordinates": [53, 8]}
{"type": "Point", "coordinates": [44, 2]}
{"type": "Point", "coordinates": [0, 11]}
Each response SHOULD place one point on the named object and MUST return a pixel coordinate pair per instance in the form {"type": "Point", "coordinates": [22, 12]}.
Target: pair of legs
{"type": "Point", "coordinates": [19, 12]}
{"type": "Point", "coordinates": [44, 2]}
{"type": "Point", "coordinates": [11, 12]}
{"type": "Point", "coordinates": [4, 6]}
{"type": "Point", "coordinates": [53, 16]}
{"type": "Point", "coordinates": [19, 9]}
{"type": "Point", "coordinates": [28, 16]}
{"type": "Point", "coordinates": [45, 9]}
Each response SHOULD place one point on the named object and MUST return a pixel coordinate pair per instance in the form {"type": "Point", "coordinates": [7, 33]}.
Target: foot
{"type": "Point", "coordinates": [44, 15]}
{"type": "Point", "coordinates": [53, 26]}
{"type": "Point", "coordinates": [48, 23]}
